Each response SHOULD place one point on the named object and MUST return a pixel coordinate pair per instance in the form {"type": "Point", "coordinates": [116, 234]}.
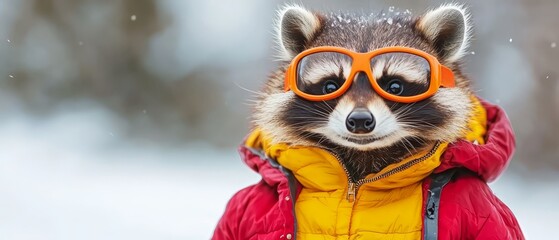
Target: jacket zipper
{"type": "Point", "coordinates": [353, 187]}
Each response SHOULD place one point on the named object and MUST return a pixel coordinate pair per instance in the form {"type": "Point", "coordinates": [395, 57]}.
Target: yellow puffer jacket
{"type": "Point", "coordinates": [384, 205]}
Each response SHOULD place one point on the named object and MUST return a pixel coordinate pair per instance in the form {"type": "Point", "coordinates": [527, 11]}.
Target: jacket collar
{"type": "Point", "coordinates": [317, 169]}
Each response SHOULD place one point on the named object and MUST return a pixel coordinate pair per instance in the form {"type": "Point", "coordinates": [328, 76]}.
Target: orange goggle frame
{"type": "Point", "coordinates": [361, 62]}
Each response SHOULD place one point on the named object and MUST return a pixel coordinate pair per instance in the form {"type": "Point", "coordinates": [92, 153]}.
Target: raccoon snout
{"type": "Point", "coordinates": [360, 121]}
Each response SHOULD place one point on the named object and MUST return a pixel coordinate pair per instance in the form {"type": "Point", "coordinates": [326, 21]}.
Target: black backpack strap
{"type": "Point", "coordinates": [430, 222]}
{"type": "Point", "coordinates": [293, 192]}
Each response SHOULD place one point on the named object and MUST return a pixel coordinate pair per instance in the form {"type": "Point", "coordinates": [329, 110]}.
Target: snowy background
{"type": "Point", "coordinates": [120, 119]}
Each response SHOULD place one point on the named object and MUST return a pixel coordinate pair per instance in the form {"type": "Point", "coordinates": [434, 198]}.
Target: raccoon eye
{"type": "Point", "coordinates": [395, 87]}
{"type": "Point", "coordinates": [330, 86]}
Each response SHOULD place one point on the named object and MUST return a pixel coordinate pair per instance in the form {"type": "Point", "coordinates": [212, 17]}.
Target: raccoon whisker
{"type": "Point", "coordinates": [312, 110]}
{"type": "Point", "coordinates": [406, 116]}
{"type": "Point", "coordinates": [302, 138]}
{"type": "Point", "coordinates": [476, 91]}
{"type": "Point", "coordinates": [404, 110]}
{"type": "Point", "coordinates": [331, 109]}
{"type": "Point", "coordinates": [402, 139]}
{"type": "Point", "coordinates": [378, 164]}
{"type": "Point", "coordinates": [409, 107]}
{"type": "Point", "coordinates": [311, 118]}
{"type": "Point", "coordinates": [409, 119]}
{"type": "Point", "coordinates": [321, 140]}
{"type": "Point", "coordinates": [302, 133]}
{"type": "Point", "coordinates": [421, 140]}
{"type": "Point", "coordinates": [317, 113]}
{"type": "Point", "coordinates": [252, 103]}
{"type": "Point", "coordinates": [318, 110]}
{"type": "Point", "coordinates": [301, 105]}
{"type": "Point", "coordinates": [407, 110]}
{"type": "Point", "coordinates": [250, 91]}
{"type": "Point", "coordinates": [253, 100]}
{"type": "Point", "coordinates": [418, 138]}
{"type": "Point", "coordinates": [327, 109]}
{"type": "Point", "coordinates": [299, 130]}
{"type": "Point", "coordinates": [417, 124]}
{"type": "Point", "coordinates": [414, 126]}
{"type": "Point", "coordinates": [304, 125]}
{"type": "Point", "coordinates": [309, 121]}
{"type": "Point", "coordinates": [406, 145]}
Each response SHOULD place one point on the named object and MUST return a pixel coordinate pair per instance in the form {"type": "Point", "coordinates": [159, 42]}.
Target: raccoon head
{"type": "Point", "coordinates": [364, 130]}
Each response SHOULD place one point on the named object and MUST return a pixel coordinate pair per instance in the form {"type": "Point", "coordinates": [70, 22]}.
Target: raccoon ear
{"type": "Point", "coordinates": [448, 29]}
{"type": "Point", "coordinates": [296, 27]}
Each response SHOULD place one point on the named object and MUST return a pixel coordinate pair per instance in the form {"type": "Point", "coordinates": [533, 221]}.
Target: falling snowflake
{"type": "Point", "coordinates": [553, 44]}
{"type": "Point", "coordinates": [11, 76]}
{"type": "Point", "coordinates": [510, 39]}
{"type": "Point", "coordinates": [391, 9]}
{"type": "Point", "coordinates": [473, 53]}
{"type": "Point", "coordinates": [133, 17]}
{"type": "Point", "coordinates": [80, 43]}
{"type": "Point", "coordinates": [8, 40]}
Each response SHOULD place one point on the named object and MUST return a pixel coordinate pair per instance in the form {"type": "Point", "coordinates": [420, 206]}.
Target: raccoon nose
{"type": "Point", "coordinates": [360, 121]}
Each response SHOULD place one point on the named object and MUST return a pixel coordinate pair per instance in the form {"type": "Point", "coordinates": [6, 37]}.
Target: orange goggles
{"type": "Point", "coordinates": [399, 74]}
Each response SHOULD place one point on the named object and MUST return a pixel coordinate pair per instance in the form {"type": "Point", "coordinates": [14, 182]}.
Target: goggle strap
{"type": "Point", "coordinates": [447, 77]}
{"type": "Point", "coordinates": [286, 80]}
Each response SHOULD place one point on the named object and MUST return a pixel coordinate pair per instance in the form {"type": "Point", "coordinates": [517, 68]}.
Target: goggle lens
{"type": "Point", "coordinates": [323, 73]}
{"type": "Point", "coordinates": [401, 74]}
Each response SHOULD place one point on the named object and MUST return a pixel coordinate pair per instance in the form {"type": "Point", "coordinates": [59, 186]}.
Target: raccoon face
{"type": "Point", "coordinates": [367, 131]}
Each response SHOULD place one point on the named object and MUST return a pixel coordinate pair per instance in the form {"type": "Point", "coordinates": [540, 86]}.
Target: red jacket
{"type": "Point", "coordinates": [468, 208]}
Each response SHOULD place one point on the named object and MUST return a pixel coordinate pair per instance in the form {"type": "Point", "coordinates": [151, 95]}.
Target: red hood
{"type": "Point", "coordinates": [258, 162]}
{"type": "Point", "coordinates": [488, 160]}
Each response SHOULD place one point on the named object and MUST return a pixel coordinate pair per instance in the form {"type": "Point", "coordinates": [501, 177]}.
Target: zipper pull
{"type": "Point", "coordinates": [350, 192]}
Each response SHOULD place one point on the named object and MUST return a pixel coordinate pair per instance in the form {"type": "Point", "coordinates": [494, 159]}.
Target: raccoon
{"type": "Point", "coordinates": [364, 130]}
